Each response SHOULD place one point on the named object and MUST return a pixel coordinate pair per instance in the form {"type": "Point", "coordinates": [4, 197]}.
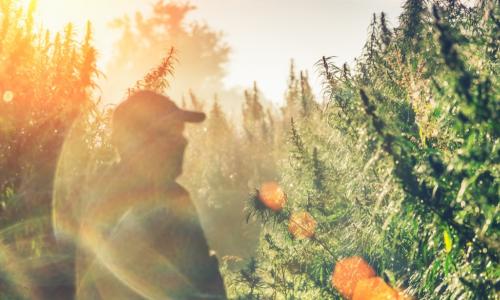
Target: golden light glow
{"type": "Point", "coordinates": [55, 14]}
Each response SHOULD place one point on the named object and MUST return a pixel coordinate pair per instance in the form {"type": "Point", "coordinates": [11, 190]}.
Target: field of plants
{"type": "Point", "coordinates": [386, 186]}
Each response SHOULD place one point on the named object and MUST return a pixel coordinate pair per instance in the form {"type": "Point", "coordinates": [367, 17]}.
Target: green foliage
{"type": "Point", "coordinates": [45, 85]}
{"type": "Point", "coordinates": [400, 166]}
{"type": "Point", "coordinates": [49, 81]}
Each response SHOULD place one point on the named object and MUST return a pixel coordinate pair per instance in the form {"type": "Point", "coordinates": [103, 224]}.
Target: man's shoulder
{"type": "Point", "coordinates": [178, 190]}
{"type": "Point", "coordinates": [178, 197]}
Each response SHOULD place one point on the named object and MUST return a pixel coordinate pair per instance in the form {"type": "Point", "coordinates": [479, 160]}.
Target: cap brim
{"type": "Point", "coordinates": [192, 116]}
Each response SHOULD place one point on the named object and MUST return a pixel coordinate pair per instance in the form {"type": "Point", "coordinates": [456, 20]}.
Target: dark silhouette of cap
{"type": "Point", "coordinates": [146, 107]}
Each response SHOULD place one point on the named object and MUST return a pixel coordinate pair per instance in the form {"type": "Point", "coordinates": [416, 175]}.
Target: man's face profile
{"type": "Point", "coordinates": [148, 133]}
{"type": "Point", "coordinates": [167, 150]}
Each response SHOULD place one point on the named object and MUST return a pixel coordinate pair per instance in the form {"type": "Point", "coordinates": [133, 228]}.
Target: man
{"type": "Point", "coordinates": [140, 235]}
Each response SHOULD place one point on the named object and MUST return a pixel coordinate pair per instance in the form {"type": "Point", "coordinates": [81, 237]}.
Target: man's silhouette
{"type": "Point", "coordinates": [140, 235]}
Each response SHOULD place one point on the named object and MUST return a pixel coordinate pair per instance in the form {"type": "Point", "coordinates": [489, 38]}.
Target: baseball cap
{"type": "Point", "coordinates": [144, 107]}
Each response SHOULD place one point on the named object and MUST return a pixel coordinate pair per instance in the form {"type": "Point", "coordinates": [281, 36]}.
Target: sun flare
{"type": "Point", "coordinates": [52, 15]}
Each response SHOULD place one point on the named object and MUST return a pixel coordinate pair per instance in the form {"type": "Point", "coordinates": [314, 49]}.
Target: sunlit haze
{"type": "Point", "coordinates": [263, 35]}
{"type": "Point", "coordinates": [249, 149]}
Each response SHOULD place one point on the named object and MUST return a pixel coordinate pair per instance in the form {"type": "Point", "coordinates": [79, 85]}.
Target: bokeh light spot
{"type": "Point", "coordinates": [8, 96]}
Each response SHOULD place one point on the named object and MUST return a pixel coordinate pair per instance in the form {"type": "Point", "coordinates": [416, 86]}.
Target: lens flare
{"type": "Point", "coordinates": [116, 256]}
{"type": "Point", "coordinates": [14, 273]}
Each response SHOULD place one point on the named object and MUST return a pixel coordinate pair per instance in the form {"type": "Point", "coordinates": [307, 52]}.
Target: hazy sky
{"type": "Point", "coordinates": [264, 34]}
